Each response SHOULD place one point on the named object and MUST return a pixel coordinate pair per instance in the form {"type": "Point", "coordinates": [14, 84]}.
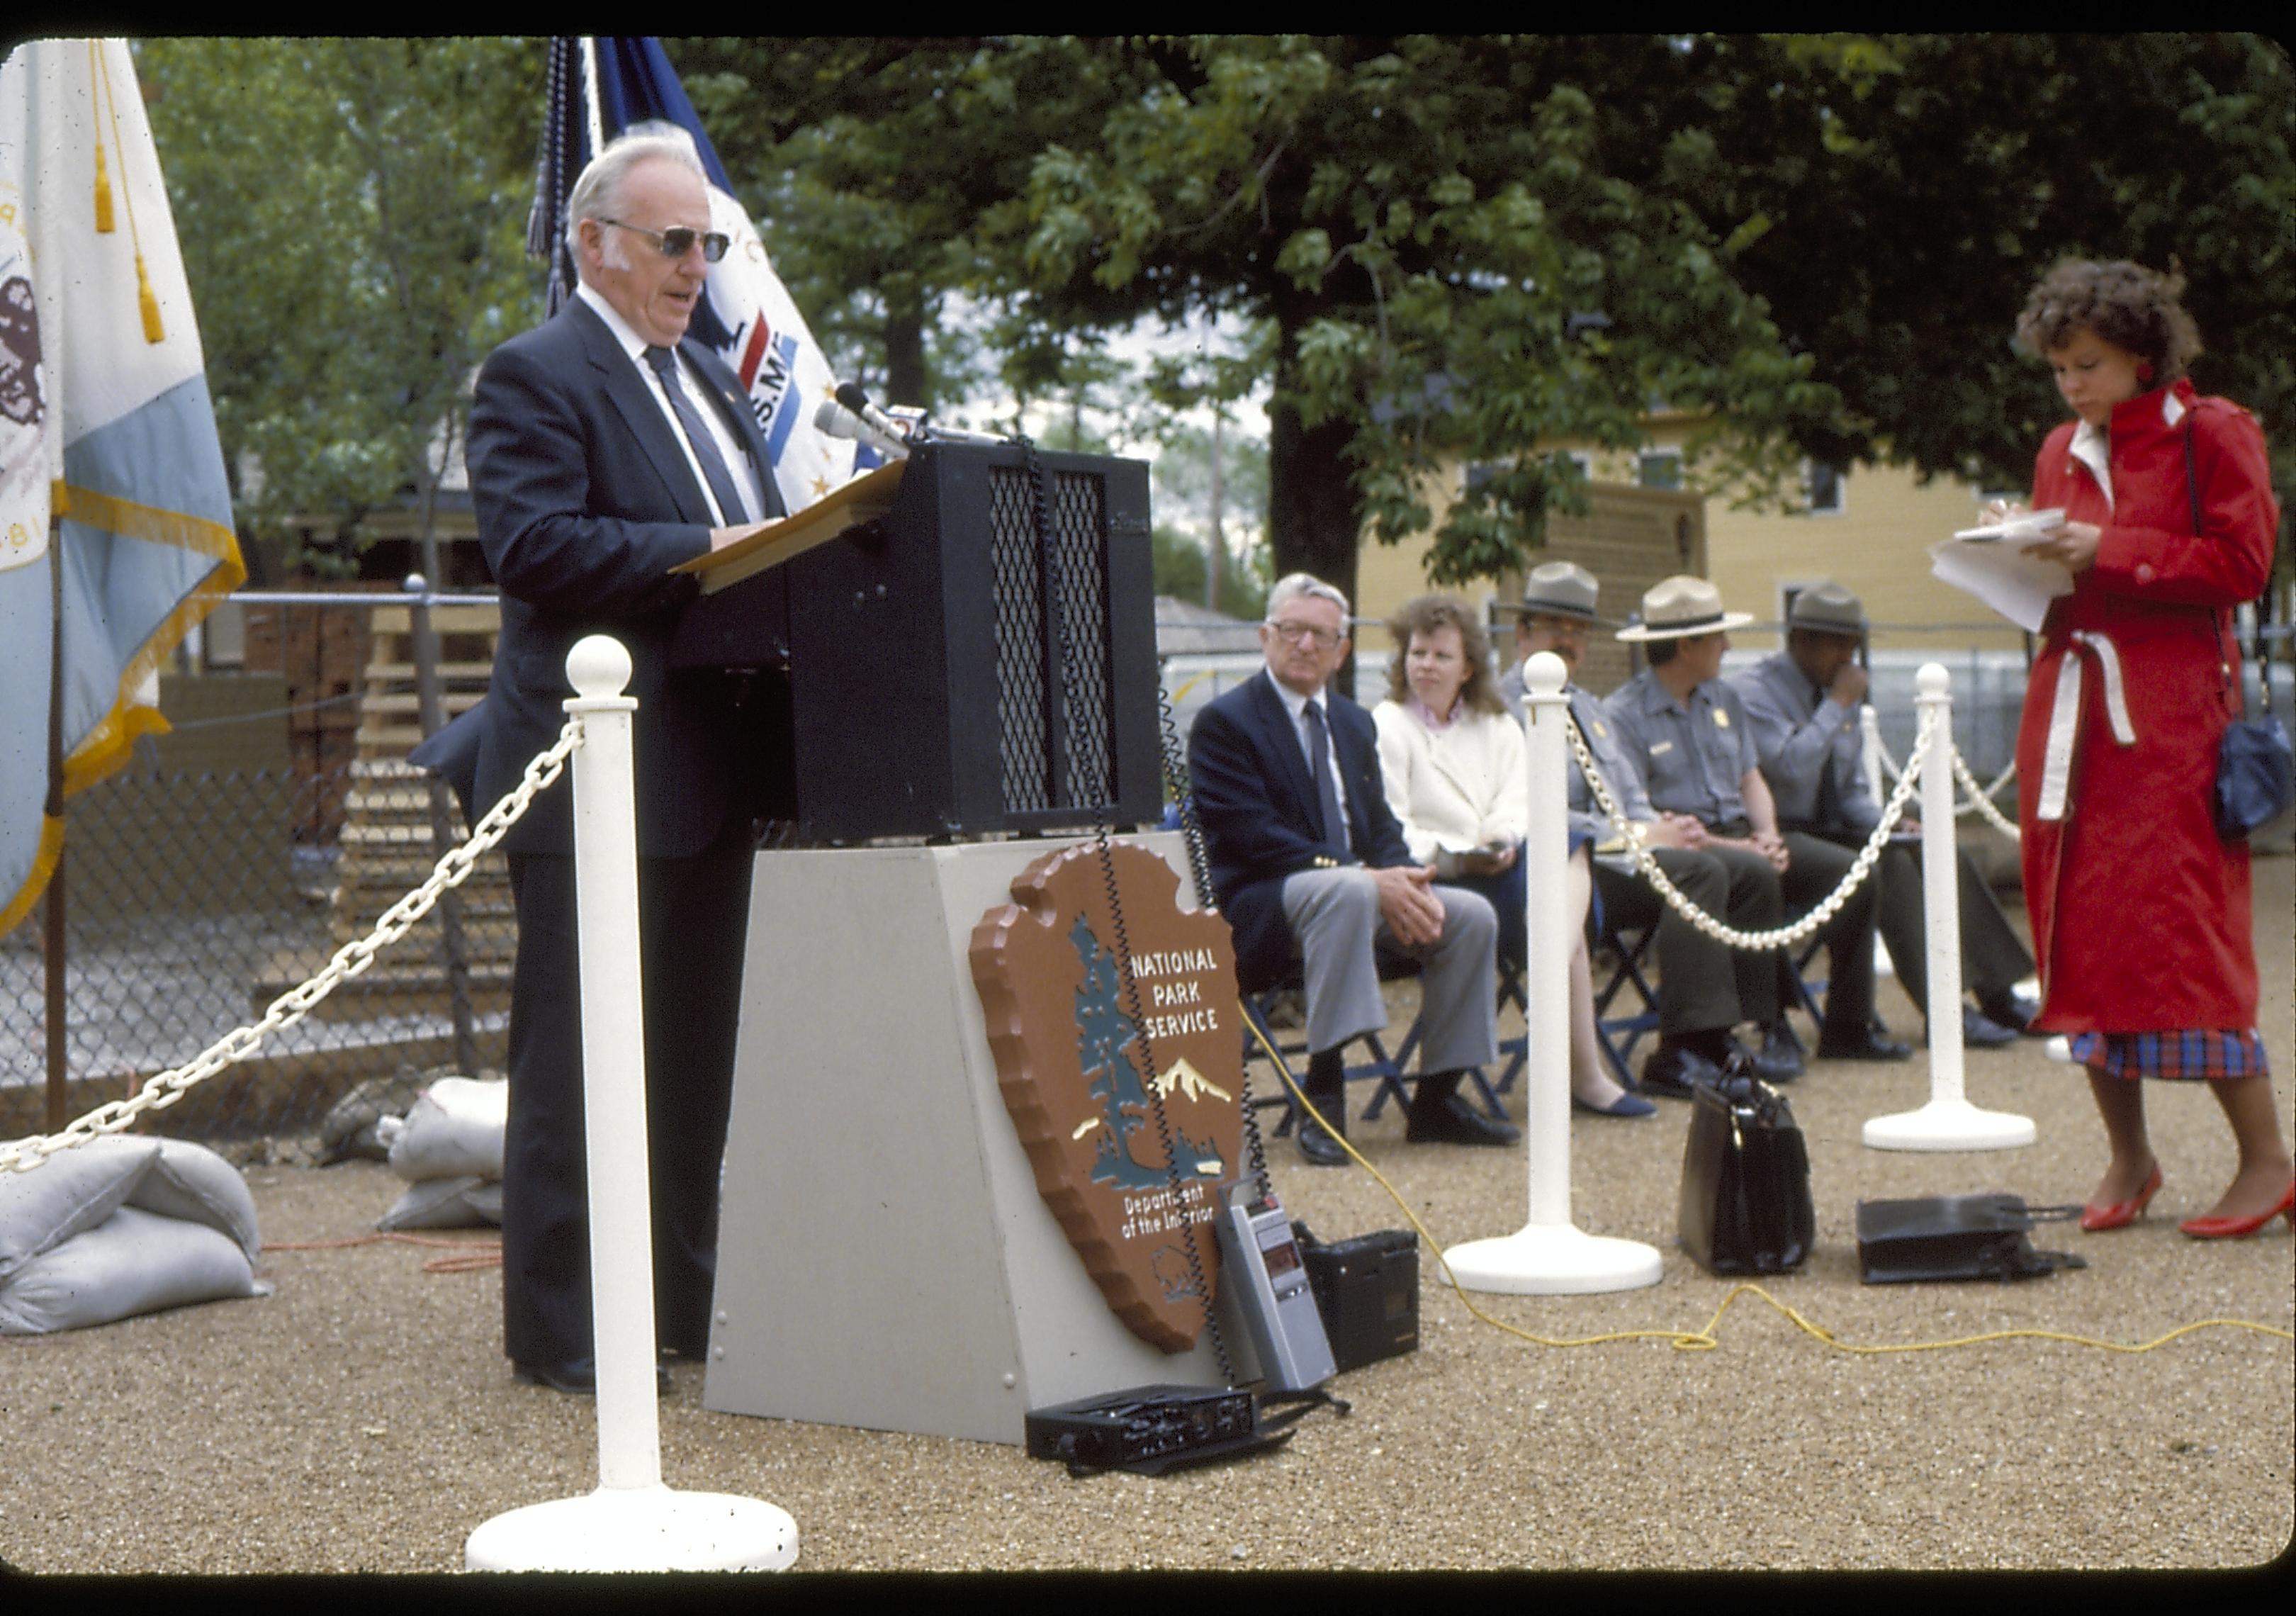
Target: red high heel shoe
{"type": "Point", "coordinates": [2239, 1228]}
{"type": "Point", "coordinates": [2121, 1214]}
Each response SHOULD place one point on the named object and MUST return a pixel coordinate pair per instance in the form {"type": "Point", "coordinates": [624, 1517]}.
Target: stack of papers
{"type": "Point", "coordinates": [2033, 524]}
{"type": "Point", "coordinates": [1991, 563]}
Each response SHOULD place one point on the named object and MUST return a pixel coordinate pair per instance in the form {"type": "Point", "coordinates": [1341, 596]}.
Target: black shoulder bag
{"type": "Point", "coordinates": [2256, 770]}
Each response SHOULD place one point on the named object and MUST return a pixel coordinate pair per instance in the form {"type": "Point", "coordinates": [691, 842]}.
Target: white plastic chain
{"type": "Point", "coordinates": [1979, 800]}
{"type": "Point", "coordinates": [1783, 936]}
{"type": "Point", "coordinates": [452, 868]}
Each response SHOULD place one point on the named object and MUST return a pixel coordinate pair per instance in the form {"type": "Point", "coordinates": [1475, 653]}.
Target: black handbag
{"type": "Point", "coordinates": [1955, 1237]}
{"type": "Point", "coordinates": [1745, 1206]}
{"type": "Point", "coordinates": [2256, 770]}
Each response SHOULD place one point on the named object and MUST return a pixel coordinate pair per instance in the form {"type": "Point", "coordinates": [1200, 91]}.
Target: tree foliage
{"type": "Point", "coordinates": [1418, 222]}
{"type": "Point", "coordinates": [352, 214]}
{"type": "Point", "coordinates": [1892, 198]}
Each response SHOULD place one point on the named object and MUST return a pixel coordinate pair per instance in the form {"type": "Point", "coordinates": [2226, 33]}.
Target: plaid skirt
{"type": "Point", "coordinates": [2186, 1054]}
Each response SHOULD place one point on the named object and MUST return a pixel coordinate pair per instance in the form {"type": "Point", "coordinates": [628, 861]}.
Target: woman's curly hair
{"type": "Point", "coordinates": [1425, 615]}
{"type": "Point", "coordinates": [2133, 308]}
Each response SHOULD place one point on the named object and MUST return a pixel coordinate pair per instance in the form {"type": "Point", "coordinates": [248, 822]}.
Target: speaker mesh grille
{"type": "Point", "coordinates": [1030, 684]}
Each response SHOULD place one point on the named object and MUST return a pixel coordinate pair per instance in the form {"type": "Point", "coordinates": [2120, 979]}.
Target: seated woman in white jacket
{"type": "Point", "coordinates": [1452, 759]}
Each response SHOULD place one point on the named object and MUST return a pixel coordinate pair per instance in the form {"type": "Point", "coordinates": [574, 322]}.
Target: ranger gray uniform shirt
{"type": "Point", "coordinates": [1691, 755]}
{"type": "Point", "coordinates": [1616, 765]}
{"type": "Point", "coordinates": [1798, 736]}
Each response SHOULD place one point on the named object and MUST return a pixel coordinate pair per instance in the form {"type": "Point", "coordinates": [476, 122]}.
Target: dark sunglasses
{"type": "Point", "coordinates": [678, 240]}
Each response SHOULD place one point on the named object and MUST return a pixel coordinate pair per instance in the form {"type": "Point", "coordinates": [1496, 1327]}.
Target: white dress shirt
{"type": "Point", "coordinates": [730, 448]}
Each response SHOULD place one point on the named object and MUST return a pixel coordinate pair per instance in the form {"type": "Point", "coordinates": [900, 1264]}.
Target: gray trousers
{"type": "Point", "coordinates": [1334, 914]}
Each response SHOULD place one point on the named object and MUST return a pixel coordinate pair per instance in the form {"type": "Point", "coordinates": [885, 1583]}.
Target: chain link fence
{"type": "Point", "coordinates": [193, 899]}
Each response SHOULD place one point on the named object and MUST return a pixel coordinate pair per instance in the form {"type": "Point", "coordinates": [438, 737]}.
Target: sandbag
{"type": "Point", "coordinates": [133, 1262]}
{"type": "Point", "coordinates": [454, 1130]}
{"type": "Point", "coordinates": [191, 1181]}
{"type": "Point", "coordinates": [71, 1192]}
{"type": "Point", "coordinates": [467, 1202]}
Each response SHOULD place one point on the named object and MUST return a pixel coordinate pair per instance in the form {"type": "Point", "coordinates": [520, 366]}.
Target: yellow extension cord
{"type": "Point", "coordinates": [1705, 1340]}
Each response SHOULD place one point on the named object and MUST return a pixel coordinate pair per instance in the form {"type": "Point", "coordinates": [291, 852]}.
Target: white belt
{"type": "Point", "coordinates": [2064, 716]}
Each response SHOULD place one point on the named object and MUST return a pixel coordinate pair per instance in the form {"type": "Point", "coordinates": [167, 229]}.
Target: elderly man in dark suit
{"type": "Point", "coordinates": [1310, 868]}
{"type": "Point", "coordinates": [605, 450]}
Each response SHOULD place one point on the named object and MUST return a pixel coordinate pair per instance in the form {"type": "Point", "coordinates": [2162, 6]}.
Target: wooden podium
{"type": "Point", "coordinates": [885, 1258]}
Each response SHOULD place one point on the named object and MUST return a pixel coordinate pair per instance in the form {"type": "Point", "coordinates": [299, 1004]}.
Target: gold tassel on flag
{"type": "Point", "coordinates": [103, 193]}
{"type": "Point", "coordinates": [153, 331]}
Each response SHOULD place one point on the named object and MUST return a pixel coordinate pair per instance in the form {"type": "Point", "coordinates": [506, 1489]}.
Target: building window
{"type": "Point", "coordinates": [1823, 483]}
{"type": "Point", "coordinates": [1658, 469]}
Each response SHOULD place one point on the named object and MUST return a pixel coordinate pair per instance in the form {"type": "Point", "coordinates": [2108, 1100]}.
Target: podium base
{"type": "Point", "coordinates": [637, 1528]}
{"type": "Point", "coordinates": [1554, 1260]}
{"type": "Point", "coordinates": [1949, 1125]}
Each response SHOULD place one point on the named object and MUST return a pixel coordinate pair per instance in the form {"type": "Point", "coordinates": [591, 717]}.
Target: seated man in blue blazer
{"type": "Point", "coordinates": [1310, 868]}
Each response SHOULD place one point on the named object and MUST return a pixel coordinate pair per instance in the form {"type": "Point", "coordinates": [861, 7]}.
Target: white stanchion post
{"type": "Point", "coordinates": [1549, 1256]}
{"type": "Point", "coordinates": [1869, 730]}
{"type": "Point", "coordinates": [632, 1523]}
{"type": "Point", "coordinates": [1949, 1122]}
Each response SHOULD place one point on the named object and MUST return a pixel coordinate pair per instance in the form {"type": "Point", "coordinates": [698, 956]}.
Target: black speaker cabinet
{"type": "Point", "coordinates": [952, 674]}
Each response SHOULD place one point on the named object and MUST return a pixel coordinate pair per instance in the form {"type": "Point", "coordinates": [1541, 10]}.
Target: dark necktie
{"type": "Point", "coordinates": [697, 434]}
{"type": "Point", "coordinates": [1327, 790]}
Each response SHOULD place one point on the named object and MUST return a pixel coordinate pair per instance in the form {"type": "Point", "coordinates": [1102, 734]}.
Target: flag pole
{"type": "Point", "coordinates": [51, 908]}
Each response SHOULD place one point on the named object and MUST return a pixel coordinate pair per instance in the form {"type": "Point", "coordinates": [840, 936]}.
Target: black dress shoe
{"type": "Point", "coordinates": [1780, 1059]}
{"type": "Point", "coordinates": [1866, 1046]}
{"type": "Point", "coordinates": [1316, 1144]}
{"type": "Point", "coordinates": [578, 1378]}
{"type": "Point", "coordinates": [1979, 1030]}
{"type": "Point", "coordinates": [2014, 1010]}
{"type": "Point", "coordinates": [1675, 1070]}
{"type": "Point", "coordinates": [1453, 1120]}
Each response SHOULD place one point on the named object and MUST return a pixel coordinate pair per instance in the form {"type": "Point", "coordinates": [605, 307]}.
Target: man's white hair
{"type": "Point", "coordinates": [597, 192]}
{"type": "Point", "coordinates": [1292, 585]}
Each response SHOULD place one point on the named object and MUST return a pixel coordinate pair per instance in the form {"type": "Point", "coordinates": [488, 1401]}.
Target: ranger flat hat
{"type": "Point", "coordinates": [1829, 609]}
{"type": "Point", "coordinates": [1560, 589]}
{"type": "Point", "coordinates": [1679, 607]}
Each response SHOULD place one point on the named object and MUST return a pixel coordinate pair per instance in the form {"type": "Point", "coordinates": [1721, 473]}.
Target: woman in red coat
{"type": "Point", "coordinates": [2140, 911]}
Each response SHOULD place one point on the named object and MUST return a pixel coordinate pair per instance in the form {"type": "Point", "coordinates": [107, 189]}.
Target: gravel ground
{"type": "Point", "coordinates": [363, 1419]}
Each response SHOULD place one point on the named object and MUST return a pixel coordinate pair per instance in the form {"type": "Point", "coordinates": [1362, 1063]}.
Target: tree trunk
{"type": "Point", "coordinates": [1314, 516]}
{"type": "Point", "coordinates": [1216, 547]}
{"type": "Point", "coordinates": [907, 380]}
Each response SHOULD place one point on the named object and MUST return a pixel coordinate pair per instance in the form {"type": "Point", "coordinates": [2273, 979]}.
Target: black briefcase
{"type": "Point", "coordinates": [1745, 1205]}
{"type": "Point", "coordinates": [1955, 1237]}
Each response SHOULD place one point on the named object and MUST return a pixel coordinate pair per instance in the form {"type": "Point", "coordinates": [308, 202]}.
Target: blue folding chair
{"type": "Point", "coordinates": [1619, 1033]}
{"type": "Point", "coordinates": [1384, 1070]}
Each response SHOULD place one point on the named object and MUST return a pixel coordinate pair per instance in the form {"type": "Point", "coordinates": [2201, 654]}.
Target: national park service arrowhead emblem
{"type": "Point", "coordinates": [1092, 1024]}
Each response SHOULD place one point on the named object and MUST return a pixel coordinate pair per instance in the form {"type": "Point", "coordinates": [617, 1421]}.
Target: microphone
{"type": "Point", "coordinates": [854, 400]}
{"type": "Point", "coordinates": [838, 421]}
